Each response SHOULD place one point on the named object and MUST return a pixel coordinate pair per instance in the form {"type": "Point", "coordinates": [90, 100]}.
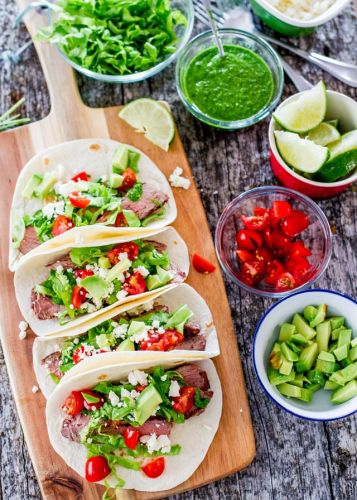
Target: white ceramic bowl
{"type": "Point", "coordinates": [266, 333]}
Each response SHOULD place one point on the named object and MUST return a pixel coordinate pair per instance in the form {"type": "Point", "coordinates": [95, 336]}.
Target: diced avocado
{"type": "Point", "coordinates": [115, 180]}
{"type": "Point", "coordinates": [286, 367]}
{"type": "Point", "coordinates": [344, 337]}
{"type": "Point", "coordinates": [310, 313]}
{"type": "Point", "coordinates": [160, 279]}
{"type": "Point", "coordinates": [48, 181]}
{"type": "Point", "coordinates": [331, 386]}
{"type": "Point", "coordinates": [335, 333]}
{"type": "Point", "coordinates": [126, 345]}
{"type": "Point", "coordinates": [303, 328]}
{"type": "Point", "coordinates": [31, 186]}
{"type": "Point", "coordinates": [275, 357]}
{"type": "Point", "coordinates": [306, 395]}
{"type": "Point", "coordinates": [131, 218]}
{"type": "Point", "coordinates": [179, 318]}
{"type": "Point", "coordinates": [353, 353]}
{"type": "Point", "coordinates": [307, 358]}
{"type": "Point", "coordinates": [345, 393]}
{"type": "Point", "coordinates": [119, 268]}
{"type": "Point", "coordinates": [120, 159]}
{"type": "Point", "coordinates": [146, 404]}
{"type": "Point", "coordinates": [134, 158]}
{"type": "Point", "coordinates": [341, 352]}
{"type": "Point", "coordinates": [289, 390]}
{"type": "Point", "coordinates": [323, 335]}
{"type": "Point", "coordinates": [96, 286]}
{"type": "Point", "coordinates": [276, 378]}
{"type": "Point", "coordinates": [286, 331]}
{"type": "Point", "coordinates": [298, 380]}
{"type": "Point", "coordinates": [320, 316]}
{"type": "Point", "coordinates": [297, 338]}
{"type": "Point", "coordinates": [315, 377]}
{"type": "Point", "coordinates": [288, 353]}
{"type": "Point", "coordinates": [337, 321]}
{"type": "Point", "coordinates": [104, 262]}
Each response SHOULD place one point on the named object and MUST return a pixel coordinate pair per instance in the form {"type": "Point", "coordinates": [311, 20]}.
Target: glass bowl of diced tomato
{"type": "Point", "coordinates": [273, 241]}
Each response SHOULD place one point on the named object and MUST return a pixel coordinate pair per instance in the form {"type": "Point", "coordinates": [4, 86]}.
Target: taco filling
{"type": "Point", "coordinates": [116, 199]}
{"type": "Point", "coordinates": [88, 279]}
{"type": "Point", "coordinates": [128, 423]}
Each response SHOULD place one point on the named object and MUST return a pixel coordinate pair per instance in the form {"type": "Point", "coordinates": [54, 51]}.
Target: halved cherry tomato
{"type": "Point", "coordinates": [248, 239]}
{"type": "Point", "coordinates": [263, 255]}
{"type": "Point", "coordinates": [74, 404]}
{"type": "Point", "coordinates": [243, 255]}
{"type": "Point", "coordinates": [96, 469]}
{"type": "Point", "coordinates": [268, 239]}
{"type": "Point", "coordinates": [298, 267]}
{"type": "Point", "coordinates": [281, 209]}
{"type": "Point", "coordinates": [298, 249]}
{"type": "Point", "coordinates": [81, 176]}
{"type": "Point", "coordinates": [135, 284]}
{"type": "Point", "coordinates": [120, 221]}
{"type": "Point", "coordinates": [281, 243]}
{"type": "Point", "coordinates": [78, 296]}
{"type": "Point", "coordinates": [130, 248]}
{"type": "Point", "coordinates": [202, 265]}
{"type": "Point", "coordinates": [252, 272]}
{"type": "Point", "coordinates": [129, 179]}
{"type": "Point", "coordinates": [83, 273]}
{"type": "Point", "coordinates": [140, 388]}
{"type": "Point", "coordinates": [131, 437]}
{"type": "Point", "coordinates": [295, 223]}
{"type": "Point", "coordinates": [154, 468]}
{"type": "Point", "coordinates": [285, 281]}
{"type": "Point", "coordinates": [61, 225]}
{"type": "Point", "coordinates": [92, 405]}
{"type": "Point", "coordinates": [258, 221]}
{"type": "Point", "coordinates": [80, 353]}
{"type": "Point", "coordinates": [273, 220]}
{"type": "Point", "coordinates": [185, 401]}
{"type": "Point", "coordinates": [77, 200]}
{"type": "Point", "coordinates": [273, 270]}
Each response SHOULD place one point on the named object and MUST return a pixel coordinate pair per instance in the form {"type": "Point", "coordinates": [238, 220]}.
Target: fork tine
{"type": "Point", "coordinates": [201, 13]}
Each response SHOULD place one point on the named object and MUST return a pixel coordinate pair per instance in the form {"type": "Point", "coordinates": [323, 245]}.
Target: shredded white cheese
{"type": "Point", "coordinates": [176, 179]}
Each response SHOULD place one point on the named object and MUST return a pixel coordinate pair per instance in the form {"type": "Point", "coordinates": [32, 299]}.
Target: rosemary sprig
{"type": "Point", "coordinates": [9, 120]}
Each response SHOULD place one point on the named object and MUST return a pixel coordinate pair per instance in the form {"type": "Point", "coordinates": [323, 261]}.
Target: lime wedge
{"type": "Point", "coordinates": [302, 154]}
{"type": "Point", "coordinates": [324, 134]}
{"type": "Point", "coordinates": [151, 118]}
{"type": "Point", "coordinates": [343, 158]}
{"type": "Point", "coordinates": [304, 113]}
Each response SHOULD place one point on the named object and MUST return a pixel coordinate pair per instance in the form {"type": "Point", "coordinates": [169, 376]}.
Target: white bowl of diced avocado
{"type": "Point", "coordinates": [305, 354]}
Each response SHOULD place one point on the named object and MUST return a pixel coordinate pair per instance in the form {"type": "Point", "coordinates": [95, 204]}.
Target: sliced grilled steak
{"type": "Point", "coordinates": [65, 262]}
{"type": "Point", "coordinates": [72, 427]}
{"type": "Point", "coordinates": [191, 329]}
{"type": "Point", "coordinates": [43, 307]}
{"type": "Point", "coordinates": [151, 426]}
{"type": "Point", "coordinates": [160, 247]}
{"type": "Point", "coordinates": [197, 343]}
{"type": "Point", "coordinates": [150, 200]}
{"type": "Point", "coordinates": [30, 240]}
{"type": "Point", "coordinates": [194, 375]}
{"type": "Point", "coordinates": [104, 217]}
{"type": "Point", "coordinates": [51, 363]}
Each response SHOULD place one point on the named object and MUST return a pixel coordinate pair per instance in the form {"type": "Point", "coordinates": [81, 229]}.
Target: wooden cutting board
{"type": "Point", "coordinates": [233, 447]}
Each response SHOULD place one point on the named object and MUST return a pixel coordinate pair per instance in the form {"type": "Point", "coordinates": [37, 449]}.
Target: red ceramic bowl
{"type": "Point", "coordinates": [340, 107]}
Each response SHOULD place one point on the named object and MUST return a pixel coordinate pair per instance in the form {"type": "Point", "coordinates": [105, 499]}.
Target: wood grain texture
{"type": "Point", "coordinates": [296, 459]}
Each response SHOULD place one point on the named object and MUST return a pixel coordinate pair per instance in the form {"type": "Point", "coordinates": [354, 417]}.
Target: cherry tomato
{"type": "Point", "coordinates": [131, 437]}
{"type": "Point", "coordinates": [129, 179]}
{"type": "Point", "coordinates": [120, 221]}
{"type": "Point", "coordinates": [80, 353]}
{"type": "Point", "coordinates": [272, 219]}
{"type": "Point", "coordinates": [140, 388]}
{"type": "Point", "coordinates": [248, 240]}
{"type": "Point", "coordinates": [131, 248]}
{"type": "Point", "coordinates": [96, 469]}
{"type": "Point", "coordinates": [185, 401]}
{"type": "Point", "coordinates": [78, 200]}
{"type": "Point", "coordinates": [243, 255]}
{"type": "Point", "coordinates": [81, 176]}
{"type": "Point", "coordinates": [252, 272]}
{"type": "Point", "coordinates": [78, 296]}
{"type": "Point", "coordinates": [135, 284]}
{"type": "Point", "coordinates": [258, 221]}
{"type": "Point", "coordinates": [83, 273]}
{"type": "Point", "coordinates": [162, 341]}
{"type": "Point", "coordinates": [298, 249]}
{"type": "Point", "coordinates": [61, 225]}
{"type": "Point", "coordinates": [154, 468]}
{"type": "Point", "coordinates": [74, 404]}
{"type": "Point", "coordinates": [295, 223]}
{"type": "Point", "coordinates": [281, 209]}
{"type": "Point", "coordinates": [285, 281]}
{"type": "Point", "coordinates": [273, 270]}
{"type": "Point", "coordinates": [298, 267]}
{"type": "Point", "coordinates": [267, 236]}
{"type": "Point", "coordinates": [92, 405]}
{"type": "Point", "coordinates": [202, 265]}
{"type": "Point", "coordinates": [281, 243]}
{"type": "Point", "coordinates": [262, 254]}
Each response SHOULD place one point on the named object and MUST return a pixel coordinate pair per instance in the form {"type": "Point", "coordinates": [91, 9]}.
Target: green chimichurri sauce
{"type": "Point", "coordinates": [233, 87]}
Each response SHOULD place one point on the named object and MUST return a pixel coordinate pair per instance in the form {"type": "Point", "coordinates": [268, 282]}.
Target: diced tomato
{"type": "Point", "coordinates": [257, 222]}
{"type": "Point", "coordinates": [298, 267]}
{"type": "Point", "coordinates": [90, 405]}
{"type": "Point", "coordinates": [81, 176]}
{"type": "Point", "coordinates": [78, 200]}
{"type": "Point", "coordinates": [202, 265]}
{"type": "Point", "coordinates": [130, 248]}
{"type": "Point", "coordinates": [273, 220]}
{"type": "Point", "coordinates": [83, 273]}
{"type": "Point", "coordinates": [129, 179]}
{"type": "Point", "coordinates": [252, 272]}
{"type": "Point", "coordinates": [74, 404]}
{"type": "Point", "coordinates": [244, 256]}
{"type": "Point", "coordinates": [120, 221]}
{"type": "Point", "coordinates": [281, 243]}
{"type": "Point", "coordinates": [162, 341]}
{"type": "Point", "coordinates": [131, 437]}
{"type": "Point", "coordinates": [273, 270]}
{"type": "Point", "coordinates": [154, 468]}
{"type": "Point", "coordinates": [78, 296]}
{"type": "Point", "coordinates": [285, 281]}
{"type": "Point", "coordinates": [140, 388]}
{"type": "Point", "coordinates": [61, 225]}
{"type": "Point", "coordinates": [96, 469]}
{"type": "Point", "coordinates": [79, 353]}
{"type": "Point", "coordinates": [281, 209]}
{"type": "Point", "coordinates": [248, 240]}
{"type": "Point", "coordinates": [263, 255]}
{"type": "Point", "coordinates": [298, 249]}
{"type": "Point", "coordinates": [135, 284]}
{"type": "Point", "coordinates": [268, 239]}
{"type": "Point", "coordinates": [185, 401]}
{"type": "Point", "coordinates": [297, 222]}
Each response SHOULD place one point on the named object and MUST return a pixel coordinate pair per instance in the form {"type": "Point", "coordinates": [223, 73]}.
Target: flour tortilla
{"type": "Point", "coordinates": [174, 298]}
{"type": "Point", "coordinates": [194, 436]}
{"type": "Point", "coordinates": [33, 271]}
{"type": "Point", "coordinates": [94, 156]}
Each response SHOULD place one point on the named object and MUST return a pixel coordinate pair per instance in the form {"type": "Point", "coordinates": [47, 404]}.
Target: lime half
{"type": "Point", "coordinates": [151, 118]}
{"type": "Point", "coordinates": [302, 154]}
{"type": "Point", "coordinates": [324, 134]}
{"type": "Point", "coordinates": [304, 113]}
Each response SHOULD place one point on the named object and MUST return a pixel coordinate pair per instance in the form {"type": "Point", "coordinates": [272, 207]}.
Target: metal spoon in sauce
{"type": "Point", "coordinates": [207, 5]}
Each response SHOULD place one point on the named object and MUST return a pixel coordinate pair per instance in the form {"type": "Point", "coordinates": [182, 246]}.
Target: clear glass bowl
{"type": "Point", "coordinates": [232, 37]}
{"type": "Point", "coordinates": [183, 32]}
{"type": "Point", "coordinates": [317, 236]}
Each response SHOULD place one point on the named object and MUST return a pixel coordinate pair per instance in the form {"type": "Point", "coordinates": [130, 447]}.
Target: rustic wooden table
{"type": "Point", "coordinates": [296, 459]}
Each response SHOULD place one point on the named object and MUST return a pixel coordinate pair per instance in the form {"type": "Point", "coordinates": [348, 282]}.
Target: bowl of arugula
{"type": "Point", "coordinates": [119, 41]}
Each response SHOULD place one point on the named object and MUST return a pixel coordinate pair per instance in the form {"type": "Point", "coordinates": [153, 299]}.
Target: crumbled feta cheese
{"type": "Point", "coordinates": [161, 330]}
{"type": "Point", "coordinates": [137, 377]}
{"type": "Point", "coordinates": [113, 398]}
{"type": "Point", "coordinates": [89, 440]}
{"type": "Point", "coordinates": [156, 323]}
{"type": "Point", "coordinates": [35, 389]}
{"type": "Point", "coordinates": [66, 188]}
{"type": "Point", "coordinates": [52, 209]}
{"type": "Point", "coordinates": [174, 390]}
{"type": "Point", "coordinates": [176, 179]}
{"type": "Point", "coordinates": [164, 378]}
{"type": "Point", "coordinates": [121, 294]}
{"type": "Point", "coordinates": [76, 340]}
{"type": "Point", "coordinates": [120, 331]}
{"type": "Point", "coordinates": [23, 327]}
{"type": "Point", "coordinates": [59, 268]}
{"type": "Point", "coordinates": [71, 306]}
{"type": "Point", "coordinates": [155, 443]}
{"type": "Point", "coordinates": [142, 270]}
{"type": "Point", "coordinates": [104, 178]}
{"type": "Point", "coordinates": [123, 256]}
{"type": "Point", "coordinates": [88, 307]}
{"type": "Point", "coordinates": [22, 334]}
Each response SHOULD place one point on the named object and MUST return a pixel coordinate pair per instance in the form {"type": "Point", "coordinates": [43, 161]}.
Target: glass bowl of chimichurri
{"type": "Point", "coordinates": [236, 90]}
